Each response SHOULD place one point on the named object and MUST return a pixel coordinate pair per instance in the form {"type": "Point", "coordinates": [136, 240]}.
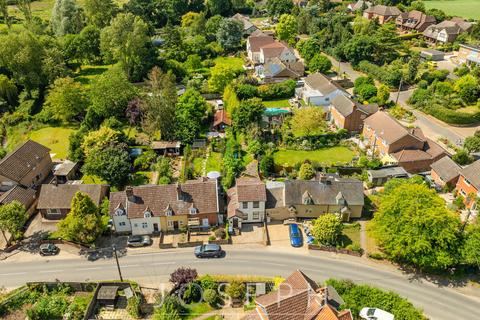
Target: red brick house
{"type": "Point", "coordinates": [382, 13]}
{"type": "Point", "coordinates": [350, 115]}
{"type": "Point", "coordinates": [445, 172]}
{"type": "Point", "coordinates": [469, 182]}
{"type": "Point", "coordinates": [414, 20]}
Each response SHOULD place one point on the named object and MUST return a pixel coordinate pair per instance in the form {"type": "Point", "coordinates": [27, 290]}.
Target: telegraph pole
{"type": "Point", "coordinates": [399, 88]}
{"type": "Point", "coordinates": [118, 265]}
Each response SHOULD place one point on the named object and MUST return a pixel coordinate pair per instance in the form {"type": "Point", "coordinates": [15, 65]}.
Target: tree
{"type": "Point", "coordinates": [210, 296]}
{"type": "Point", "coordinates": [472, 144]}
{"type": "Point", "coordinates": [190, 112]}
{"type": "Point", "coordinates": [220, 77]}
{"type": "Point", "coordinates": [248, 112]}
{"type": "Point", "coordinates": [171, 309]}
{"type": "Point", "coordinates": [66, 99]}
{"type": "Point", "coordinates": [66, 18]}
{"type": "Point", "coordinates": [110, 94]}
{"type": "Point", "coordinates": [307, 172]}
{"type": "Point", "coordinates": [468, 88]}
{"type": "Point", "coordinates": [100, 139]}
{"type": "Point", "coordinates": [126, 40]}
{"type": "Point", "coordinates": [359, 48]}
{"type": "Point", "coordinates": [26, 9]}
{"type": "Point", "coordinates": [212, 25]}
{"type": "Point", "coordinates": [267, 165]}
{"type": "Point", "coordinates": [278, 7]}
{"type": "Point", "coordinates": [471, 247]}
{"type": "Point", "coordinates": [111, 164]}
{"type": "Point", "coordinates": [219, 7]}
{"type": "Point", "coordinates": [83, 224]}
{"type": "Point", "coordinates": [229, 34]}
{"type": "Point", "coordinates": [4, 13]}
{"type": "Point", "coordinates": [287, 28]}
{"type": "Point", "coordinates": [327, 229]}
{"type": "Point", "coordinates": [182, 276]}
{"type": "Point", "coordinates": [307, 121]}
{"type": "Point", "coordinates": [320, 63]}
{"type": "Point", "coordinates": [383, 95]}
{"type": "Point", "coordinates": [152, 12]}
{"type": "Point", "coordinates": [86, 45]}
{"type": "Point", "coordinates": [100, 12]}
{"type": "Point", "coordinates": [236, 290]}
{"type": "Point", "coordinates": [8, 90]}
{"type": "Point", "coordinates": [365, 88]}
{"type": "Point", "coordinates": [13, 217]}
{"type": "Point", "coordinates": [413, 226]}
{"type": "Point", "coordinates": [160, 105]}
{"type": "Point", "coordinates": [462, 157]}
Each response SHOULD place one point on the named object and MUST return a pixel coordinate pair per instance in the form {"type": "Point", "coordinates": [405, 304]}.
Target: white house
{"type": "Point", "coordinates": [246, 201]}
{"type": "Point", "coordinates": [276, 50]}
{"type": "Point", "coordinates": [319, 91]}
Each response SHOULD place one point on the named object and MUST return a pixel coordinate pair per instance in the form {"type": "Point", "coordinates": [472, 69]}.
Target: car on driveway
{"type": "Point", "coordinates": [296, 238]}
{"type": "Point", "coordinates": [208, 251]}
{"type": "Point", "coordinates": [375, 314]}
{"type": "Point", "coordinates": [139, 241]}
{"type": "Point", "coordinates": [49, 249]}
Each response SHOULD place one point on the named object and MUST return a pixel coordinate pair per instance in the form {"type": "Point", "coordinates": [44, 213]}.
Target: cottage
{"type": "Point", "coordinates": [28, 165]}
{"type": "Point", "coordinates": [54, 201]}
{"type": "Point", "coordinates": [469, 183]}
{"type": "Point", "coordinates": [445, 172]}
{"type": "Point", "coordinates": [414, 21]}
{"type": "Point", "coordinates": [167, 148]}
{"type": "Point", "coordinates": [276, 70]}
{"type": "Point", "coordinates": [26, 196]}
{"type": "Point", "coordinates": [447, 31]}
{"type": "Point", "coordinates": [350, 115]}
{"type": "Point", "coordinates": [262, 48]}
{"type": "Point", "coordinates": [221, 120]}
{"type": "Point", "coordinates": [379, 177]}
{"type": "Point", "coordinates": [246, 201]}
{"type": "Point", "coordinates": [248, 26]}
{"type": "Point", "coordinates": [310, 199]}
{"type": "Point", "coordinates": [299, 298]}
{"type": "Point", "coordinates": [153, 208]}
{"type": "Point", "coordinates": [382, 13]}
{"type": "Point", "coordinates": [469, 54]}
{"type": "Point", "coordinates": [319, 91]}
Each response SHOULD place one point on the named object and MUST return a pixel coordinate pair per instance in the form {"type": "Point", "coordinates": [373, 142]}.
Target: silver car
{"type": "Point", "coordinates": [139, 241]}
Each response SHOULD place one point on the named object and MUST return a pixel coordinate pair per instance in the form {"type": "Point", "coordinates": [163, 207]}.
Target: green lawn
{"type": "Point", "coordinates": [141, 178]}
{"type": "Point", "coordinates": [55, 138]}
{"type": "Point", "coordinates": [350, 234]}
{"type": "Point", "coordinates": [234, 63]}
{"type": "Point", "coordinates": [93, 180]}
{"type": "Point", "coordinates": [197, 309]}
{"type": "Point", "coordinates": [276, 103]}
{"type": "Point", "coordinates": [462, 8]}
{"type": "Point", "coordinates": [326, 156]}
{"type": "Point", "coordinates": [198, 165]}
{"type": "Point", "coordinates": [88, 73]}
{"type": "Point", "coordinates": [214, 162]}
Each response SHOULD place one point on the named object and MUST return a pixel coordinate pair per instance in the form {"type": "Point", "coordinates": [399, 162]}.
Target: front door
{"type": "Point", "coordinates": [175, 225]}
{"type": "Point", "coordinates": [155, 227]}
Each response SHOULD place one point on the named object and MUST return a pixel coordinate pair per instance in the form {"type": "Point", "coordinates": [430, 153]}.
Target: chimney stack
{"type": "Point", "coordinates": [129, 194]}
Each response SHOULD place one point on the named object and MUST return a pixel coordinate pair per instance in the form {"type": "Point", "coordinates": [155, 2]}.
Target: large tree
{"type": "Point", "coordinates": [13, 217]}
{"type": "Point", "coordinates": [66, 18]}
{"type": "Point", "coordinates": [4, 13]}
{"type": "Point", "coordinates": [66, 99]}
{"type": "Point", "coordinates": [308, 121]}
{"type": "Point", "coordinates": [100, 139]}
{"type": "Point", "coordinates": [8, 90]}
{"type": "Point", "coordinates": [189, 115]}
{"type": "Point", "coordinates": [220, 77]}
{"type": "Point", "coordinates": [320, 63]}
{"type": "Point", "coordinates": [160, 104]}
{"type": "Point", "coordinates": [100, 12]}
{"type": "Point", "coordinates": [229, 34]}
{"type": "Point", "coordinates": [248, 112]}
{"type": "Point", "coordinates": [220, 7]}
{"type": "Point", "coordinates": [287, 28]}
{"type": "Point", "coordinates": [278, 7]}
{"type": "Point", "coordinates": [327, 229]}
{"type": "Point", "coordinates": [83, 224]}
{"type": "Point", "coordinates": [413, 226]}
{"type": "Point", "coordinates": [126, 40]}
{"type": "Point", "coordinates": [471, 248]}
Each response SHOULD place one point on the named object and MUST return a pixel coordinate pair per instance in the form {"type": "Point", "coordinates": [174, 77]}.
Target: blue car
{"type": "Point", "coordinates": [296, 239]}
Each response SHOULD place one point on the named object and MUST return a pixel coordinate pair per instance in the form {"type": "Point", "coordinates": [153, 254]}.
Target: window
{"type": "Point", "coordinates": [120, 212]}
{"type": "Point", "coordinates": [169, 213]}
{"type": "Point", "coordinates": [170, 224]}
{"type": "Point", "coordinates": [193, 210]}
{"type": "Point", "coordinates": [256, 215]}
{"type": "Point", "coordinates": [256, 204]}
{"type": "Point", "coordinates": [463, 193]}
{"type": "Point", "coordinates": [135, 225]}
{"type": "Point", "coordinates": [466, 181]}
{"type": "Point", "coordinates": [245, 205]}
{"type": "Point", "coordinates": [122, 224]}
{"type": "Point", "coordinates": [147, 214]}
{"type": "Point", "coordinates": [180, 223]}
{"type": "Point", "coordinates": [54, 211]}
{"type": "Point", "coordinates": [144, 225]}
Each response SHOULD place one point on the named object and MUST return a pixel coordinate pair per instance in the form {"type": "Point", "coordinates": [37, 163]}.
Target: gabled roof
{"type": "Point", "coordinates": [382, 10]}
{"type": "Point", "coordinates": [446, 169]}
{"type": "Point", "coordinates": [60, 196]}
{"type": "Point", "coordinates": [246, 189]}
{"type": "Point", "coordinates": [389, 129]}
{"type": "Point", "coordinates": [259, 40]}
{"type": "Point", "coordinates": [345, 106]}
{"type": "Point", "coordinates": [158, 145]}
{"type": "Point", "coordinates": [25, 196]}
{"type": "Point", "coordinates": [221, 117]}
{"type": "Point", "coordinates": [18, 163]}
{"type": "Point", "coordinates": [273, 49]}
{"type": "Point", "coordinates": [472, 174]}
{"type": "Point", "coordinates": [247, 24]}
{"type": "Point", "coordinates": [321, 83]}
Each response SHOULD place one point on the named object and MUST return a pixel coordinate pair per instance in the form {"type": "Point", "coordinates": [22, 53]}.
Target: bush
{"type": "Point", "coordinates": [191, 293]}
{"type": "Point", "coordinates": [236, 290]}
{"type": "Point", "coordinates": [307, 172]}
{"type": "Point", "coordinates": [377, 255]}
{"type": "Point", "coordinates": [211, 238]}
{"type": "Point", "coordinates": [133, 306]}
{"type": "Point", "coordinates": [48, 307]}
{"type": "Point", "coordinates": [145, 160]}
{"type": "Point", "coordinates": [355, 247]}
{"type": "Point", "coordinates": [281, 90]}
{"type": "Point", "coordinates": [220, 233]}
{"type": "Point", "coordinates": [208, 282]}
{"type": "Point", "coordinates": [210, 296]}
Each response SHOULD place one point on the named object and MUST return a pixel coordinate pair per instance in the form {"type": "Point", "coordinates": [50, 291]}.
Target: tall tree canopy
{"type": "Point", "coordinates": [287, 28]}
{"type": "Point", "coordinates": [100, 12]}
{"type": "Point", "coordinates": [220, 7]}
{"type": "Point", "coordinates": [307, 121]}
{"type": "Point", "coordinates": [66, 99]}
{"type": "Point", "coordinates": [13, 217]}
{"type": "Point", "coordinates": [248, 112]}
{"type": "Point", "coordinates": [67, 17]}
{"type": "Point", "coordinates": [229, 34]}
{"type": "Point", "coordinates": [278, 7]}
{"type": "Point", "coordinates": [189, 115]}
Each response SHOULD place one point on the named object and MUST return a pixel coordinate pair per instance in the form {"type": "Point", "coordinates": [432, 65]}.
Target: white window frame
{"type": "Point", "coordinates": [244, 205]}
{"type": "Point", "coordinates": [256, 215]}
{"type": "Point", "coordinates": [170, 223]}
{"type": "Point", "coordinates": [256, 204]}
{"type": "Point", "coordinates": [54, 211]}
{"type": "Point", "coordinates": [122, 224]}
{"type": "Point", "coordinates": [144, 225]}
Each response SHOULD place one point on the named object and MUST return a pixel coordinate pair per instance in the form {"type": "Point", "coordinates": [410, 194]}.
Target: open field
{"type": "Point", "coordinates": [326, 156]}
{"type": "Point", "coordinates": [463, 8]}
{"type": "Point", "coordinates": [283, 103]}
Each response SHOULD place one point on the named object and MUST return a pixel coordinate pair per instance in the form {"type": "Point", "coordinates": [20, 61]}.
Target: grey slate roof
{"type": "Point", "coordinates": [60, 196]}
{"type": "Point", "coordinates": [318, 81]}
{"type": "Point", "coordinates": [446, 169]}
{"type": "Point", "coordinates": [387, 172]}
{"type": "Point", "coordinates": [472, 174]}
{"type": "Point", "coordinates": [346, 106]}
{"type": "Point", "coordinates": [25, 196]}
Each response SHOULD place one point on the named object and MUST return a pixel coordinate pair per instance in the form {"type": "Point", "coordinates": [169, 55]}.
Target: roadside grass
{"type": "Point", "coordinates": [469, 109]}
{"type": "Point", "coordinates": [372, 246]}
{"type": "Point", "coordinates": [283, 103]}
{"type": "Point", "coordinates": [233, 63]}
{"type": "Point", "coordinates": [325, 156]}
{"type": "Point", "coordinates": [462, 8]}
{"type": "Point", "coordinates": [350, 234]}
{"type": "Point", "coordinates": [214, 162]}
{"type": "Point", "coordinates": [197, 309]}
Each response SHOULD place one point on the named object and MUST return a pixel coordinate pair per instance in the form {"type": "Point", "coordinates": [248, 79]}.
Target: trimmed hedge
{"type": "Point", "coordinates": [452, 116]}
{"type": "Point", "coordinates": [282, 90]}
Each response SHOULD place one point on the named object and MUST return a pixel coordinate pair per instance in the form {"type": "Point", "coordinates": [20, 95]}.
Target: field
{"type": "Point", "coordinates": [55, 138]}
{"type": "Point", "coordinates": [462, 8]}
{"type": "Point", "coordinates": [233, 63]}
{"type": "Point", "coordinates": [276, 103]}
{"type": "Point", "coordinates": [326, 156]}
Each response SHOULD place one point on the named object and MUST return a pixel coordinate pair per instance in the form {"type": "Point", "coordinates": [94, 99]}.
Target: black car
{"type": "Point", "coordinates": [208, 251]}
{"type": "Point", "coordinates": [139, 241]}
{"type": "Point", "coordinates": [49, 249]}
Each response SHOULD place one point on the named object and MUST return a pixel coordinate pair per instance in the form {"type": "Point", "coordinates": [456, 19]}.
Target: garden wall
{"type": "Point", "coordinates": [333, 249]}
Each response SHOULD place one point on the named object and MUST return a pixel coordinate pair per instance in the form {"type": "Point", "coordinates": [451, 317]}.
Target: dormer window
{"type": "Point", "coordinates": [307, 198]}
{"type": "Point", "coordinates": [193, 210]}
{"type": "Point", "coordinates": [147, 214]}
{"type": "Point", "coordinates": [169, 211]}
{"type": "Point", "coordinates": [119, 212]}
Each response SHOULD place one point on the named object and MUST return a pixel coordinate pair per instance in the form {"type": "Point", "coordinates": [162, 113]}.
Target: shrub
{"type": "Point", "coordinates": [236, 290]}
{"type": "Point", "coordinates": [182, 276]}
{"type": "Point", "coordinates": [377, 255]}
{"type": "Point", "coordinates": [145, 160]}
{"type": "Point", "coordinates": [48, 307]}
{"type": "Point", "coordinates": [212, 237]}
{"type": "Point", "coordinates": [281, 90]}
{"type": "Point", "coordinates": [191, 293]}
{"type": "Point", "coordinates": [208, 282]}
{"type": "Point", "coordinates": [355, 247]}
{"type": "Point", "coordinates": [327, 229]}
{"type": "Point", "coordinates": [210, 296]}
{"type": "Point", "coordinates": [220, 233]}
{"type": "Point", "coordinates": [307, 172]}
{"type": "Point", "coordinates": [133, 306]}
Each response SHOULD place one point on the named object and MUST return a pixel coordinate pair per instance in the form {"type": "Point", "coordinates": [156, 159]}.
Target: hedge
{"type": "Point", "coordinates": [316, 141]}
{"type": "Point", "coordinates": [452, 116]}
{"type": "Point", "coordinates": [272, 91]}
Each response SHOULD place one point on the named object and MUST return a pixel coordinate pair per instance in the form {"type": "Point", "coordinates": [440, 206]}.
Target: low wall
{"type": "Point", "coordinates": [189, 244]}
{"type": "Point", "coordinates": [333, 249]}
{"type": "Point", "coordinates": [220, 242]}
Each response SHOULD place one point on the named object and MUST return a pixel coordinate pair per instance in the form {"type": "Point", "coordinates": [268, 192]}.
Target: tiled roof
{"type": "Point", "coordinates": [221, 117]}
{"type": "Point", "coordinates": [246, 189]}
{"type": "Point", "coordinates": [382, 10]}
{"type": "Point", "coordinates": [446, 169]}
{"type": "Point", "coordinates": [329, 313]}
{"type": "Point", "coordinates": [200, 194]}
{"type": "Point", "coordinates": [345, 106]}
{"type": "Point", "coordinates": [472, 174]}
{"type": "Point", "coordinates": [318, 81]}
{"type": "Point", "coordinates": [165, 144]}
{"type": "Point", "coordinates": [64, 168]}
{"type": "Point", "coordinates": [386, 127]}
{"type": "Point", "coordinates": [25, 196]}
{"type": "Point", "coordinates": [18, 163]}
{"type": "Point", "coordinates": [247, 24]}
{"type": "Point", "coordinates": [60, 196]}
{"type": "Point", "coordinates": [258, 41]}
{"type": "Point", "coordinates": [273, 49]}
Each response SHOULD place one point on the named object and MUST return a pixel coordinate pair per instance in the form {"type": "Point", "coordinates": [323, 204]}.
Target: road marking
{"type": "Point", "coordinates": [50, 271]}
{"type": "Point", "coordinates": [84, 269]}
{"type": "Point", "coordinates": [275, 264]}
{"type": "Point", "coordinates": [12, 274]}
{"type": "Point", "coordinates": [162, 263]}
{"type": "Point", "coordinates": [130, 266]}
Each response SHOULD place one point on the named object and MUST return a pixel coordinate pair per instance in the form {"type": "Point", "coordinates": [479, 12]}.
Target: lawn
{"type": "Point", "coordinates": [141, 178]}
{"type": "Point", "coordinates": [197, 309]}
{"type": "Point", "coordinates": [350, 234]}
{"type": "Point", "coordinates": [276, 103]}
{"type": "Point", "coordinates": [214, 162]}
{"type": "Point", "coordinates": [233, 63]}
{"type": "Point", "coordinates": [325, 156]}
{"type": "Point", "coordinates": [469, 109]}
{"type": "Point", "coordinates": [93, 180]}
{"type": "Point", "coordinates": [55, 138]}
{"type": "Point", "coordinates": [88, 73]}
{"type": "Point", "coordinates": [198, 165]}
{"type": "Point", "coordinates": [462, 8]}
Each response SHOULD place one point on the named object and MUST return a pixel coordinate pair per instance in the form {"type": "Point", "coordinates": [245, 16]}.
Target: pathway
{"type": "Point", "coordinates": [363, 237]}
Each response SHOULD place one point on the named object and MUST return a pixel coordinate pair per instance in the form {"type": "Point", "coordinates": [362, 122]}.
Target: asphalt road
{"type": "Point", "coordinates": [154, 268]}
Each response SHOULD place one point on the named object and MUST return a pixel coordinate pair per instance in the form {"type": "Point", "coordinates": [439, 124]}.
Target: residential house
{"type": "Point", "coordinates": [256, 41]}
{"type": "Point", "coordinates": [28, 165]}
{"type": "Point", "coordinates": [432, 55]}
{"type": "Point", "coordinates": [379, 177]}
{"type": "Point", "coordinates": [469, 54]}
{"type": "Point", "coordinates": [152, 208]}
{"type": "Point", "coordinates": [359, 5]}
{"type": "Point", "coordinates": [447, 31]}
{"type": "Point", "coordinates": [414, 21]}
{"type": "Point", "coordinates": [382, 13]}
{"type": "Point", "coordinates": [262, 48]}
{"type": "Point", "coordinates": [167, 148]}
{"type": "Point", "coordinates": [350, 115]}
{"type": "Point", "coordinates": [445, 172]}
{"type": "Point", "coordinates": [469, 183]}
{"type": "Point", "coordinates": [276, 70]}
{"type": "Point", "coordinates": [65, 171]}
{"type": "Point", "coordinates": [26, 196]}
{"type": "Point", "coordinates": [246, 201]}
{"type": "Point", "coordinates": [248, 26]}
{"type": "Point", "coordinates": [301, 199]}
{"type": "Point", "coordinates": [319, 91]}
{"type": "Point", "coordinates": [221, 120]}
{"type": "Point", "coordinates": [54, 201]}
{"type": "Point", "coordinates": [395, 144]}
{"type": "Point", "coordinates": [299, 298]}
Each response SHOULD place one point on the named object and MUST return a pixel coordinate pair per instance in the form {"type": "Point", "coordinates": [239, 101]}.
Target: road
{"type": "Point", "coordinates": [154, 268]}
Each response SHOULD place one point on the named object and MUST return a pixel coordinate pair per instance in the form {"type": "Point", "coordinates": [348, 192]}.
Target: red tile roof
{"type": "Point", "coordinates": [221, 117]}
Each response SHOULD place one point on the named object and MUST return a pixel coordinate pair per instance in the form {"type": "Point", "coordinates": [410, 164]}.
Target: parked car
{"type": "Point", "coordinates": [375, 314]}
{"type": "Point", "coordinates": [208, 251]}
{"type": "Point", "coordinates": [139, 241]}
{"type": "Point", "coordinates": [296, 239]}
{"type": "Point", "coordinates": [49, 249]}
